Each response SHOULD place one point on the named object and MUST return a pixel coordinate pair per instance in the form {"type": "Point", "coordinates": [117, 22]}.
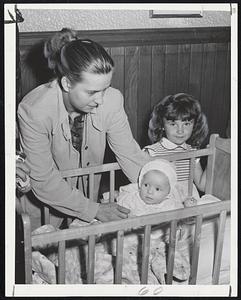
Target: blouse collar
{"type": "Point", "coordinates": [171, 146]}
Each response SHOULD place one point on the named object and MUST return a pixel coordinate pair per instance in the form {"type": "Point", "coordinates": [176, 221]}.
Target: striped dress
{"type": "Point", "coordinates": [167, 147]}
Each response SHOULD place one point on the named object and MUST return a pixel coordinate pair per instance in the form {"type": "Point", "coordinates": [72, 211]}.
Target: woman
{"type": "Point", "coordinates": [64, 124]}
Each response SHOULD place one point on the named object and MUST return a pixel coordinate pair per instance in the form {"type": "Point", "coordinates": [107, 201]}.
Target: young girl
{"type": "Point", "coordinates": [177, 124]}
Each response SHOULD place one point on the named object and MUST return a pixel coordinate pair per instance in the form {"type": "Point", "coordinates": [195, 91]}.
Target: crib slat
{"type": "Point", "coordinates": [112, 185]}
{"type": "Point", "coordinates": [119, 256]}
{"type": "Point", "coordinates": [61, 260]}
{"type": "Point", "coordinates": [191, 176]}
{"type": "Point", "coordinates": [23, 202]}
{"type": "Point", "coordinates": [210, 164]}
{"type": "Point", "coordinates": [171, 251]}
{"type": "Point", "coordinates": [90, 170]}
{"type": "Point", "coordinates": [219, 247]}
{"type": "Point", "coordinates": [46, 215]}
{"type": "Point", "coordinates": [91, 186]}
{"type": "Point", "coordinates": [146, 253]}
{"type": "Point", "coordinates": [195, 252]}
{"type": "Point", "coordinates": [27, 248]}
{"type": "Point", "coordinates": [91, 259]}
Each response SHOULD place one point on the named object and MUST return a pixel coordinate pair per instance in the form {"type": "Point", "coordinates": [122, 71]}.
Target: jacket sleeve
{"type": "Point", "coordinates": [46, 180]}
{"type": "Point", "coordinates": [127, 196]}
{"type": "Point", "coordinates": [119, 136]}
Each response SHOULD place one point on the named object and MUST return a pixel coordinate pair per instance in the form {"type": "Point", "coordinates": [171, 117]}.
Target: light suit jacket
{"type": "Point", "coordinates": [46, 140]}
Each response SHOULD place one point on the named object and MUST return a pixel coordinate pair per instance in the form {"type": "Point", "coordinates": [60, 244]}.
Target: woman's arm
{"type": "Point", "coordinates": [119, 136]}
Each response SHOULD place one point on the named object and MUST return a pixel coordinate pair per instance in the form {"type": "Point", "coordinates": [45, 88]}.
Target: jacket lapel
{"type": "Point", "coordinates": [66, 130]}
{"type": "Point", "coordinates": [96, 118]}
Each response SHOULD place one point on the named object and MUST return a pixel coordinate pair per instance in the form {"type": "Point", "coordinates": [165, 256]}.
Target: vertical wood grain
{"type": "Point", "coordinates": [119, 256]}
{"type": "Point", "coordinates": [211, 165]}
{"type": "Point", "coordinates": [207, 82]}
{"type": "Point", "coordinates": [61, 260]}
{"type": "Point", "coordinates": [219, 247]}
{"type": "Point", "coordinates": [218, 88]}
{"type": "Point", "coordinates": [46, 215]}
{"type": "Point", "coordinates": [191, 176]}
{"type": "Point", "coordinates": [171, 251]}
{"type": "Point", "coordinates": [27, 247]}
{"type": "Point", "coordinates": [117, 54]}
{"type": "Point", "coordinates": [183, 67]}
{"type": "Point", "coordinates": [144, 94]}
{"type": "Point", "coordinates": [158, 73]}
{"type": "Point", "coordinates": [171, 63]}
{"type": "Point", "coordinates": [112, 186]}
{"type": "Point", "coordinates": [227, 90]}
{"type": "Point", "coordinates": [91, 259]}
{"type": "Point", "coordinates": [195, 251]}
{"type": "Point", "coordinates": [145, 255]}
{"type": "Point", "coordinates": [195, 74]}
{"type": "Point", "coordinates": [132, 55]}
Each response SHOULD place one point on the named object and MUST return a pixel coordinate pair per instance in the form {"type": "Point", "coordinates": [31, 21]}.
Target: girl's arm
{"type": "Point", "coordinates": [200, 176]}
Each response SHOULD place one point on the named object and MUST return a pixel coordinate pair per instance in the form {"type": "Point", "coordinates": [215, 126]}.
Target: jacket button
{"type": "Point", "coordinates": [87, 163]}
{"type": "Point", "coordinates": [86, 147]}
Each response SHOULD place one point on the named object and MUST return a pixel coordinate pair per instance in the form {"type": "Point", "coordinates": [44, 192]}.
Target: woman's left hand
{"type": "Point", "coordinates": [22, 177]}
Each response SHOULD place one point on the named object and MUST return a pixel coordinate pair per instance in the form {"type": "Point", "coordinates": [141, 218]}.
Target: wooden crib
{"type": "Point", "coordinates": [218, 185]}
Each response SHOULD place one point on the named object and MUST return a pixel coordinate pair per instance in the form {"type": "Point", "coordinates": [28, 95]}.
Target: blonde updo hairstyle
{"type": "Point", "coordinates": [70, 56]}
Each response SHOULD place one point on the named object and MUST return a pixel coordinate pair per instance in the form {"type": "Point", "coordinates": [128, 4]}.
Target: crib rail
{"type": "Point", "coordinates": [68, 234]}
{"type": "Point", "coordinates": [201, 212]}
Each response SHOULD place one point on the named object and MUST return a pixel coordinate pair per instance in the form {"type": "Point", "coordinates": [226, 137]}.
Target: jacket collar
{"type": "Point", "coordinates": [96, 118]}
{"type": "Point", "coordinates": [171, 146]}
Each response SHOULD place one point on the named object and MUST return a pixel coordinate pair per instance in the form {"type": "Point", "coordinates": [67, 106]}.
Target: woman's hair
{"type": "Point", "coordinates": [70, 56]}
{"type": "Point", "coordinates": [178, 107]}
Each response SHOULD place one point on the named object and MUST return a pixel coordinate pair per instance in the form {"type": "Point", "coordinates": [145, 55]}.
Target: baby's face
{"type": "Point", "coordinates": [154, 187]}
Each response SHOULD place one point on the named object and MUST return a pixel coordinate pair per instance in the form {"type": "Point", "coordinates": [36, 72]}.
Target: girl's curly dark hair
{"type": "Point", "coordinates": [183, 107]}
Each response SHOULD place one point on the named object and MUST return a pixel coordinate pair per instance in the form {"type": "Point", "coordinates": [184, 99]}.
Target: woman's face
{"type": "Point", "coordinates": [154, 187]}
{"type": "Point", "coordinates": [86, 95]}
{"type": "Point", "coordinates": [178, 131]}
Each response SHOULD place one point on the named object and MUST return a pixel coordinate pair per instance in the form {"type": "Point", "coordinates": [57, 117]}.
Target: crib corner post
{"type": "Point", "coordinates": [210, 164]}
{"type": "Point", "coordinates": [27, 247]}
{"type": "Point", "coordinates": [219, 247]}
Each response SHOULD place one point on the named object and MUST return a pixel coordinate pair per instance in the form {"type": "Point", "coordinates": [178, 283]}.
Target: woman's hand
{"type": "Point", "coordinates": [22, 177]}
{"type": "Point", "coordinates": [111, 212]}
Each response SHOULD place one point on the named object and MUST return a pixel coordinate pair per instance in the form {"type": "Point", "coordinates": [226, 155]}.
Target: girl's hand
{"type": "Point", "coordinates": [190, 201]}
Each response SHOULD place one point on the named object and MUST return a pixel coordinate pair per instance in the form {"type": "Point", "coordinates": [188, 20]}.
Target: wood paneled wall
{"type": "Point", "coordinates": [150, 64]}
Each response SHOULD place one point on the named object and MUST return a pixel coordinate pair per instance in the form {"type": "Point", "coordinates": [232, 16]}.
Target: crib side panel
{"type": "Point", "coordinates": [219, 168]}
{"type": "Point", "coordinates": [222, 170]}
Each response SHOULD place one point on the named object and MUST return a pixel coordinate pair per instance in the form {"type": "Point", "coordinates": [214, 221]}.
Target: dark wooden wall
{"type": "Point", "coordinates": [151, 64]}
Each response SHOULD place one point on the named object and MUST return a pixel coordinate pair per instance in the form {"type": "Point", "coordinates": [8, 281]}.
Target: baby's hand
{"type": "Point", "coordinates": [190, 201]}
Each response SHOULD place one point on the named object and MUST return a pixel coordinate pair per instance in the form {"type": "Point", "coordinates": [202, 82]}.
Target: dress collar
{"type": "Point", "coordinates": [171, 146]}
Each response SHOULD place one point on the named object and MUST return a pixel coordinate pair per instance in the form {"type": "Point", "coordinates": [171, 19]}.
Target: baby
{"type": "Point", "coordinates": [155, 192]}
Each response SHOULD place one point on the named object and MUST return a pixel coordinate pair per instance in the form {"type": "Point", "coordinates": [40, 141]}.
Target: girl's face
{"type": "Point", "coordinates": [86, 95]}
{"type": "Point", "coordinates": [154, 187]}
{"type": "Point", "coordinates": [178, 131]}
